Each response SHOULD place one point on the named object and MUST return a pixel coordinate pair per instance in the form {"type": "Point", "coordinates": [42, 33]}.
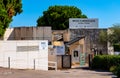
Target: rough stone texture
{"type": "Point", "coordinates": [64, 33]}
{"type": "Point", "coordinates": [91, 38]}
{"type": "Point", "coordinates": [28, 33]}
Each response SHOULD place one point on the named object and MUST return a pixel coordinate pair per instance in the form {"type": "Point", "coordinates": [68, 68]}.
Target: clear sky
{"type": "Point", "coordinates": [107, 11]}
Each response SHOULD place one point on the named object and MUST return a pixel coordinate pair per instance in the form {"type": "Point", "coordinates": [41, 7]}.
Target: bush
{"type": "Point", "coordinates": [113, 69]}
{"type": "Point", "coordinates": [105, 62]}
{"type": "Point", "coordinates": [117, 47]}
{"type": "Point", "coordinates": [117, 71]}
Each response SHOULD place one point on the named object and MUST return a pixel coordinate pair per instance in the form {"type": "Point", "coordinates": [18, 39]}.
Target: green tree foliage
{"type": "Point", "coordinates": [103, 37]}
{"type": "Point", "coordinates": [105, 62]}
{"type": "Point", "coordinates": [8, 9]}
{"type": "Point", "coordinates": [114, 35]}
{"type": "Point", "coordinates": [58, 16]}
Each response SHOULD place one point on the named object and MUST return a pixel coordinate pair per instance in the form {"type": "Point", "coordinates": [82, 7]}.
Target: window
{"type": "Point", "coordinates": [75, 53]}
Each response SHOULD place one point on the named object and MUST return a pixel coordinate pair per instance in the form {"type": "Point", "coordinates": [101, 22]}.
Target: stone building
{"type": "Point", "coordinates": [91, 39]}
{"type": "Point", "coordinates": [77, 41]}
{"type": "Point", "coordinates": [72, 47]}
{"type": "Point", "coordinates": [80, 41]}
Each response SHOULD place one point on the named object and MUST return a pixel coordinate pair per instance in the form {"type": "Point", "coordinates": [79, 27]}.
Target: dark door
{"type": "Point", "coordinates": [66, 61]}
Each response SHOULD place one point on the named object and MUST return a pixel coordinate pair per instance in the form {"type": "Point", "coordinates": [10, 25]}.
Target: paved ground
{"type": "Point", "coordinates": [69, 73]}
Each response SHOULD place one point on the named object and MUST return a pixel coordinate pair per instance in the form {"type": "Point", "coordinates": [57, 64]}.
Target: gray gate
{"type": "Point", "coordinates": [66, 61]}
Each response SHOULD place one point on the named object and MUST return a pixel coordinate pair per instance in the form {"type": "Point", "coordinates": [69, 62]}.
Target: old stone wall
{"type": "Point", "coordinates": [91, 39]}
{"type": "Point", "coordinates": [28, 33]}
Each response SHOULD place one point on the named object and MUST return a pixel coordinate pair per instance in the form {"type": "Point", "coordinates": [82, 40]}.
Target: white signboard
{"type": "Point", "coordinates": [43, 45]}
{"type": "Point", "coordinates": [60, 50]}
{"type": "Point", "coordinates": [76, 23]}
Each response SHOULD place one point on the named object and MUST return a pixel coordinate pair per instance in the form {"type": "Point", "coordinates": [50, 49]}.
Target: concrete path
{"type": "Point", "coordinates": [68, 73]}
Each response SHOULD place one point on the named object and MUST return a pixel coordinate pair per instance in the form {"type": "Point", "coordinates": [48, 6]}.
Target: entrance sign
{"type": "Point", "coordinates": [60, 50]}
{"type": "Point", "coordinates": [76, 23]}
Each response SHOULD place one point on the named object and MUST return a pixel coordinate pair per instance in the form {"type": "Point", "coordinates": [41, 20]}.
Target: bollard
{"type": "Point", "coordinates": [34, 63]}
{"type": "Point", "coordinates": [9, 62]}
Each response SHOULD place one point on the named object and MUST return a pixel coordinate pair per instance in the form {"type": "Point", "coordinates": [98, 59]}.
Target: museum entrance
{"type": "Point", "coordinates": [77, 51]}
{"type": "Point", "coordinates": [78, 58]}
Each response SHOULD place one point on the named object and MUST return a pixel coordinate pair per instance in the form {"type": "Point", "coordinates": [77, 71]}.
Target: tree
{"type": "Point", "coordinates": [8, 9]}
{"type": "Point", "coordinates": [114, 37]}
{"type": "Point", "coordinates": [103, 37]}
{"type": "Point", "coordinates": [58, 16]}
{"type": "Point", "coordinates": [102, 40]}
{"type": "Point", "coordinates": [114, 34]}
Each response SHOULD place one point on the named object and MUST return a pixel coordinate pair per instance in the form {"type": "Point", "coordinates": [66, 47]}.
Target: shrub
{"type": "Point", "coordinates": [104, 62]}
{"type": "Point", "coordinates": [113, 69]}
{"type": "Point", "coordinates": [117, 47]}
{"type": "Point", "coordinates": [117, 71]}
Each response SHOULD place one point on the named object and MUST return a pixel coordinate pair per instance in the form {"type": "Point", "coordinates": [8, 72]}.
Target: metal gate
{"type": "Point", "coordinates": [66, 61]}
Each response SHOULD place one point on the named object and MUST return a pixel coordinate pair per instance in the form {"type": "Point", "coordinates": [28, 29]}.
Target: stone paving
{"type": "Point", "coordinates": [66, 73]}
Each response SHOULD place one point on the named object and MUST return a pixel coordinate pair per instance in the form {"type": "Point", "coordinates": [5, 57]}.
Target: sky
{"type": "Point", "coordinates": [107, 11]}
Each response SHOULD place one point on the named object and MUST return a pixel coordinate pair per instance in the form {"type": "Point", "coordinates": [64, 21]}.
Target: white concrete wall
{"type": "Point", "coordinates": [24, 59]}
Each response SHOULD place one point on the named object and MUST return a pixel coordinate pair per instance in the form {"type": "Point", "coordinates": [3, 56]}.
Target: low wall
{"type": "Point", "coordinates": [59, 61]}
{"type": "Point", "coordinates": [24, 54]}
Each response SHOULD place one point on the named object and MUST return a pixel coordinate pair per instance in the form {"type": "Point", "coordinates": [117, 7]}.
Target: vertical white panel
{"type": "Point", "coordinates": [41, 64]}
{"type": "Point", "coordinates": [43, 54]}
{"type": "Point", "coordinates": [31, 57]}
{"type": "Point", "coordinates": [1, 54]}
{"type": "Point", "coordinates": [24, 59]}
{"type": "Point", "coordinates": [9, 46]}
{"type": "Point", "coordinates": [21, 60]}
{"type": "Point", "coordinates": [22, 43]}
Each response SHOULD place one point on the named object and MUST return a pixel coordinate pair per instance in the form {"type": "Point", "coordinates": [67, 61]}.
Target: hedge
{"type": "Point", "coordinates": [117, 71]}
{"type": "Point", "coordinates": [117, 47]}
{"type": "Point", "coordinates": [104, 62]}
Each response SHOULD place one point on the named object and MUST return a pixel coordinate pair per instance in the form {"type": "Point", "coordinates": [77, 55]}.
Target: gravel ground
{"type": "Point", "coordinates": [66, 73]}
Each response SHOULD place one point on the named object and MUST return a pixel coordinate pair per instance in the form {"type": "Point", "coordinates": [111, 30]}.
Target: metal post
{"type": "Point", "coordinates": [34, 63]}
{"type": "Point", "coordinates": [9, 62]}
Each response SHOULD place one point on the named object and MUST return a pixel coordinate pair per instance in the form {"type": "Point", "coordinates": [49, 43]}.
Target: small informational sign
{"type": "Point", "coordinates": [82, 59]}
{"type": "Point", "coordinates": [76, 23]}
{"type": "Point", "coordinates": [43, 45]}
{"type": "Point", "coordinates": [60, 50]}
